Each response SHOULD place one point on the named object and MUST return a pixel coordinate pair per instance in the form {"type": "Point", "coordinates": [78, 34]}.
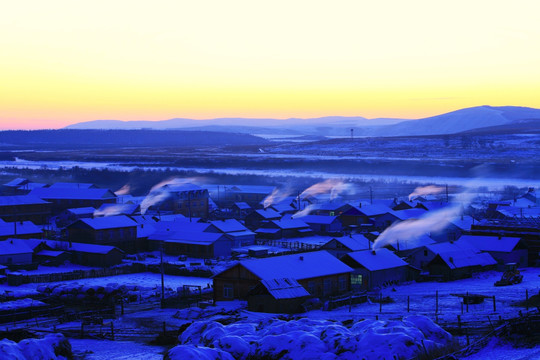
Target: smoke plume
{"type": "Point", "coordinates": [332, 186]}
{"type": "Point", "coordinates": [276, 196]}
{"type": "Point", "coordinates": [425, 190]}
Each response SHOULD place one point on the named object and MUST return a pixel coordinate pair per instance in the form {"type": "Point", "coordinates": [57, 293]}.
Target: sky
{"type": "Point", "coordinates": [66, 61]}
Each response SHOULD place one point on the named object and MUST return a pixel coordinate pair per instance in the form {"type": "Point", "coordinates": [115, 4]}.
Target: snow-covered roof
{"type": "Point", "coordinates": [20, 200]}
{"type": "Point", "coordinates": [186, 226]}
{"type": "Point", "coordinates": [68, 185]}
{"type": "Point", "coordinates": [16, 182]}
{"type": "Point", "coordinates": [445, 247]}
{"type": "Point", "coordinates": [290, 224]}
{"type": "Point", "coordinates": [411, 243]}
{"type": "Point", "coordinates": [330, 206]}
{"type": "Point", "coordinates": [109, 222]}
{"type": "Point", "coordinates": [318, 219]}
{"type": "Point", "coordinates": [374, 210]}
{"type": "Point", "coordinates": [228, 225]}
{"type": "Point", "coordinates": [19, 228]}
{"type": "Point", "coordinates": [374, 260]}
{"type": "Point", "coordinates": [183, 187]}
{"type": "Point", "coordinates": [73, 193]}
{"type": "Point", "coordinates": [191, 237]}
{"type": "Point", "coordinates": [268, 214]}
{"type": "Point", "coordinates": [252, 189]}
{"type": "Point", "coordinates": [126, 209]}
{"type": "Point", "coordinates": [354, 242]}
{"type": "Point", "coordinates": [82, 211]}
{"type": "Point", "coordinates": [238, 234]}
{"type": "Point", "coordinates": [490, 243]}
{"type": "Point", "coordinates": [80, 247]}
{"type": "Point", "coordinates": [285, 288]}
{"type": "Point", "coordinates": [512, 211]}
{"type": "Point", "coordinates": [50, 253]}
{"type": "Point", "coordinates": [414, 213]}
{"type": "Point", "coordinates": [298, 266]}
{"type": "Point", "coordinates": [281, 208]}
{"type": "Point", "coordinates": [242, 205]}
{"type": "Point", "coordinates": [9, 247]}
{"type": "Point", "coordinates": [464, 222]}
{"type": "Point", "coordinates": [266, 231]}
{"type": "Point", "coordinates": [464, 258]}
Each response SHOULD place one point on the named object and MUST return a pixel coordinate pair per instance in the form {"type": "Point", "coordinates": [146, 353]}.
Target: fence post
{"type": "Point", "coordinates": [527, 299]}
{"type": "Point", "coordinates": [466, 301]}
{"type": "Point", "coordinates": [112, 330]}
{"type": "Point", "coordinates": [436, 302]}
{"type": "Point", "coordinates": [82, 330]}
{"type": "Point", "coordinates": [380, 303]}
{"type": "Point", "coordinates": [494, 306]}
{"type": "Point", "coordinates": [408, 303]}
{"type": "Point", "coordinates": [459, 323]}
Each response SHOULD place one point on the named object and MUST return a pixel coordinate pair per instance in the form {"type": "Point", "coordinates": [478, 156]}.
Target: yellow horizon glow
{"type": "Point", "coordinates": [64, 61]}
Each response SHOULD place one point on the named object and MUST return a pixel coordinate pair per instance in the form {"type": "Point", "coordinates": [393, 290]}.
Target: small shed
{"type": "Point", "coordinates": [460, 264]}
{"type": "Point", "coordinates": [284, 295]}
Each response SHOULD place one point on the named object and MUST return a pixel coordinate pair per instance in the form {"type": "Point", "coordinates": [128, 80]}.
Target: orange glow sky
{"type": "Point", "coordinates": [66, 61]}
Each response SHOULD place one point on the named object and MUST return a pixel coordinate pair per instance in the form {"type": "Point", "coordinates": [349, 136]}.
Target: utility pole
{"type": "Point", "coordinates": [370, 195]}
{"type": "Point", "coordinates": [162, 271]}
{"type": "Point", "coordinates": [352, 134]}
{"type": "Point", "coordinates": [446, 192]}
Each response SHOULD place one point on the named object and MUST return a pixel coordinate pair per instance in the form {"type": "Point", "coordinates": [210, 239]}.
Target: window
{"type": "Point", "coordinates": [342, 283]}
{"type": "Point", "coordinates": [356, 279]}
{"type": "Point", "coordinates": [228, 291]}
{"type": "Point", "coordinates": [327, 286]}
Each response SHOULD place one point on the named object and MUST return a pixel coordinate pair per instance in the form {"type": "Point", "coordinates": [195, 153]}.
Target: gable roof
{"type": "Point", "coordinates": [81, 247]}
{"type": "Point", "coordinates": [82, 211]}
{"type": "Point", "coordinates": [73, 193]}
{"type": "Point", "coordinates": [9, 247]}
{"type": "Point", "coordinates": [319, 219]}
{"type": "Point", "coordinates": [375, 209]}
{"type": "Point", "coordinates": [268, 214]}
{"type": "Point", "coordinates": [290, 224]}
{"type": "Point", "coordinates": [184, 237]}
{"type": "Point", "coordinates": [414, 213]}
{"type": "Point", "coordinates": [354, 242]}
{"type": "Point", "coordinates": [20, 200]}
{"type": "Point", "coordinates": [108, 222]}
{"type": "Point", "coordinates": [16, 182]}
{"type": "Point", "coordinates": [374, 260]}
{"type": "Point", "coordinates": [68, 185]}
{"type": "Point", "coordinates": [298, 266]}
{"type": "Point", "coordinates": [18, 228]}
{"type": "Point", "coordinates": [242, 205]}
{"type": "Point", "coordinates": [464, 258]}
{"type": "Point", "coordinates": [491, 243]}
{"type": "Point", "coordinates": [229, 225]}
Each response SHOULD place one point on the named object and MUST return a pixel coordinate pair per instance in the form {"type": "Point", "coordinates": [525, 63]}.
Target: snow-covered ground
{"type": "Point", "coordinates": [118, 350]}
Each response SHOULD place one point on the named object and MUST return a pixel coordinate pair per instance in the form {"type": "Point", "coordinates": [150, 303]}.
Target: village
{"type": "Point", "coordinates": [264, 250]}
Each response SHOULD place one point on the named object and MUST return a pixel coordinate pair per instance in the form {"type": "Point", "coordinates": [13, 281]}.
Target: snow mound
{"type": "Point", "coordinates": [307, 339]}
{"type": "Point", "coordinates": [188, 352]}
{"type": "Point", "coordinates": [51, 347]}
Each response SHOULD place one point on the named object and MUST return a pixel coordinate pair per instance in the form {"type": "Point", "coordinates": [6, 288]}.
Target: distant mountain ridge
{"type": "Point", "coordinates": [449, 123]}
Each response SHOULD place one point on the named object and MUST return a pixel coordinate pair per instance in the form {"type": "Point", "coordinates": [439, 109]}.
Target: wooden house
{"type": "Point", "coordinates": [320, 273]}
{"type": "Point", "coordinates": [258, 218]}
{"type": "Point", "coordinates": [323, 224]}
{"type": "Point", "coordinates": [89, 254]}
{"type": "Point", "coordinates": [15, 253]}
{"type": "Point", "coordinates": [503, 249]}
{"type": "Point", "coordinates": [25, 208]}
{"type": "Point", "coordinates": [20, 230]}
{"type": "Point", "coordinates": [459, 264]}
{"type": "Point", "coordinates": [375, 268]}
{"type": "Point", "coordinates": [67, 198]}
{"type": "Point", "coordinates": [339, 246]}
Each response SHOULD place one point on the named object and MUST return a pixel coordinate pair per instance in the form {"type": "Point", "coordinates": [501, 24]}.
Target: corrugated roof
{"type": "Point", "coordinates": [285, 288]}
{"type": "Point", "coordinates": [379, 259]}
{"type": "Point", "coordinates": [298, 266]}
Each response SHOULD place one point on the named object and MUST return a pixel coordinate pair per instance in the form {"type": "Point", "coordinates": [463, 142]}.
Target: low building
{"type": "Point", "coordinates": [323, 224]}
{"type": "Point", "coordinates": [72, 197]}
{"type": "Point", "coordinates": [340, 246]}
{"type": "Point", "coordinates": [281, 296]}
{"type": "Point", "coordinates": [320, 273]}
{"type": "Point", "coordinates": [89, 254]}
{"type": "Point", "coordinates": [258, 218]}
{"type": "Point", "coordinates": [375, 268]}
{"type": "Point", "coordinates": [119, 231]}
{"type": "Point", "coordinates": [235, 231]}
{"type": "Point", "coordinates": [289, 228]}
{"type": "Point", "coordinates": [25, 208]}
{"type": "Point", "coordinates": [460, 264]}
{"type": "Point", "coordinates": [20, 230]}
{"type": "Point", "coordinates": [503, 249]}
{"type": "Point", "coordinates": [15, 253]}
{"type": "Point", "coordinates": [197, 244]}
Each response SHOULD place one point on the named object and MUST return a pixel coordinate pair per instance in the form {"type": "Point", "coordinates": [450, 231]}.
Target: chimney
{"type": "Point", "coordinates": [301, 258]}
{"type": "Point", "coordinates": [451, 259]}
{"type": "Point", "coordinates": [373, 252]}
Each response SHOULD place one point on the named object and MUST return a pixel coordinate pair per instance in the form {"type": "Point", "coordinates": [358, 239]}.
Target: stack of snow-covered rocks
{"type": "Point", "coordinates": [311, 339]}
{"type": "Point", "coordinates": [51, 347]}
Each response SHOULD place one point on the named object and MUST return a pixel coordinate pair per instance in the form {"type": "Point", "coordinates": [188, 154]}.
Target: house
{"type": "Point", "coordinates": [375, 268]}
{"type": "Point", "coordinates": [187, 199]}
{"type": "Point", "coordinates": [422, 255]}
{"type": "Point", "coordinates": [234, 230]}
{"type": "Point", "coordinates": [226, 195]}
{"type": "Point", "coordinates": [329, 208]}
{"type": "Point", "coordinates": [289, 228]}
{"type": "Point", "coordinates": [524, 228]}
{"type": "Point", "coordinates": [320, 273]}
{"type": "Point", "coordinates": [68, 185]}
{"type": "Point", "coordinates": [282, 296]}
{"type": "Point", "coordinates": [25, 208]}
{"type": "Point", "coordinates": [20, 230]}
{"type": "Point", "coordinates": [503, 249]}
{"type": "Point", "coordinates": [69, 216]}
{"type": "Point", "coordinates": [455, 229]}
{"type": "Point", "coordinates": [340, 246]}
{"type": "Point", "coordinates": [379, 216]}
{"type": "Point", "coordinates": [404, 247]}
{"type": "Point", "coordinates": [197, 244]}
{"type": "Point", "coordinates": [15, 253]}
{"type": "Point", "coordinates": [241, 209]}
{"type": "Point", "coordinates": [323, 224]}
{"type": "Point", "coordinates": [119, 231]}
{"type": "Point", "coordinates": [410, 214]}
{"type": "Point", "coordinates": [67, 198]}
{"type": "Point", "coordinates": [89, 254]}
{"type": "Point", "coordinates": [11, 187]}
{"type": "Point", "coordinates": [259, 217]}
{"type": "Point", "coordinates": [459, 264]}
